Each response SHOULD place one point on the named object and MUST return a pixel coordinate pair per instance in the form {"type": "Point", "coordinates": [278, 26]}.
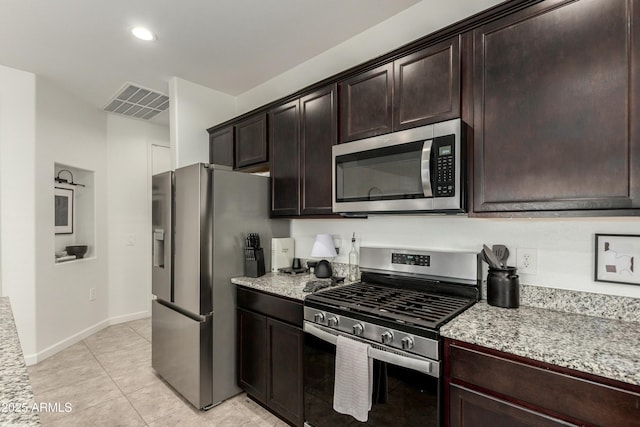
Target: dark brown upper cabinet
{"type": "Point", "coordinates": [221, 147]}
{"type": "Point", "coordinates": [427, 86]}
{"type": "Point", "coordinates": [251, 141]}
{"type": "Point", "coordinates": [301, 134]}
{"type": "Point", "coordinates": [366, 104]}
{"type": "Point", "coordinates": [556, 94]}
{"type": "Point", "coordinates": [417, 89]}
{"type": "Point", "coordinates": [284, 139]}
{"type": "Point", "coordinates": [318, 133]}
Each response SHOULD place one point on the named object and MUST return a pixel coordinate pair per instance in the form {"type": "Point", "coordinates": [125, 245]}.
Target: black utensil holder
{"type": "Point", "coordinates": [503, 287]}
{"type": "Point", "coordinates": [254, 262]}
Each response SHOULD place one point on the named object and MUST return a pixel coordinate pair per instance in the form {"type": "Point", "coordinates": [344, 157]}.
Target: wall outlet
{"type": "Point", "coordinates": [92, 294]}
{"type": "Point", "coordinates": [527, 261]}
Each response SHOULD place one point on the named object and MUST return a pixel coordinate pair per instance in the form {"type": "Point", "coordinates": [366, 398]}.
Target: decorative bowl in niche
{"type": "Point", "coordinates": [78, 250]}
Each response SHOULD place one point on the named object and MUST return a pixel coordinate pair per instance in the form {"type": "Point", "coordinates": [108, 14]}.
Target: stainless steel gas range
{"type": "Point", "coordinates": [396, 310]}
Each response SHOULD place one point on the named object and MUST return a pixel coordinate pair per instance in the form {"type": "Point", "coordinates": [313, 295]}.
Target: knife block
{"type": "Point", "coordinates": [254, 262]}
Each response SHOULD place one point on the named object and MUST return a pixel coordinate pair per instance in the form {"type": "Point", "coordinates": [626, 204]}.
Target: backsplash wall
{"type": "Point", "coordinates": [565, 246]}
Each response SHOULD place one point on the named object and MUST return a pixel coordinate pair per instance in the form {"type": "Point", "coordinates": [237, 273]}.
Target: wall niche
{"type": "Point", "coordinates": [74, 213]}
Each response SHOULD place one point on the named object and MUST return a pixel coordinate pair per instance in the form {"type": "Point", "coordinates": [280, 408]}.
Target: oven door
{"type": "Point", "coordinates": [406, 390]}
{"type": "Point", "coordinates": [411, 170]}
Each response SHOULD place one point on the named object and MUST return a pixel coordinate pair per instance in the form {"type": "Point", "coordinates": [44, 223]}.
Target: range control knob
{"type": "Point", "coordinates": [332, 321]}
{"type": "Point", "coordinates": [407, 343]}
{"type": "Point", "coordinates": [386, 337]}
{"type": "Point", "coordinates": [318, 317]}
{"type": "Point", "coordinates": [358, 329]}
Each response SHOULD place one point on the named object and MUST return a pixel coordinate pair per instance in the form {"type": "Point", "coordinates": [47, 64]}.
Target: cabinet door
{"type": "Point", "coordinates": [318, 134]}
{"type": "Point", "coordinates": [284, 390]}
{"type": "Point", "coordinates": [251, 141]}
{"type": "Point", "coordinates": [427, 86]}
{"type": "Point", "coordinates": [470, 408]}
{"type": "Point", "coordinates": [366, 104]}
{"type": "Point", "coordinates": [221, 147]}
{"type": "Point", "coordinates": [553, 126]}
{"type": "Point", "coordinates": [252, 353]}
{"type": "Point", "coordinates": [284, 137]}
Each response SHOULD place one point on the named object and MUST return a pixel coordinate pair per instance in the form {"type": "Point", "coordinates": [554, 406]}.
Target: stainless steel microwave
{"type": "Point", "coordinates": [414, 170]}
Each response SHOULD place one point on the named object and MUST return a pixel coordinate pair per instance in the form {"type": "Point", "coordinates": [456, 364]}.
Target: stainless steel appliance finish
{"type": "Point", "coordinates": [193, 318]}
{"type": "Point", "coordinates": [337, 324]}
{"type": "Point", "coordinates": [405, 296]}
{"type": "Point", "coordinates": [459, 267]}
{"type": "Point", "coordinates": [419, 169]}
{"type": "Point", "coordinates": [397, 358]}
{"type": "Point", "coordinates": [162, 218]}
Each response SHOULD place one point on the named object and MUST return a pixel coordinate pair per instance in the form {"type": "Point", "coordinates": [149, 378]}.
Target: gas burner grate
{"type": "Point", "coordinates": [394, 304]}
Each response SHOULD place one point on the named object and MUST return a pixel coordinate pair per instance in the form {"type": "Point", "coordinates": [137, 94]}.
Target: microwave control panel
{"type": "Point", "coordinates": [444, 156]}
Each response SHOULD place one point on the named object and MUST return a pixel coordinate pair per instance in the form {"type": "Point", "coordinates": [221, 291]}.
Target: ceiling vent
{"type": "Point", "coordinates": [135, 101]}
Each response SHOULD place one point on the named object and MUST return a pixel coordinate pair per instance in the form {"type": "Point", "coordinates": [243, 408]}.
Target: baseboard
{"type": "Point", "coordinates": [129, 317]}
{"type": "Point", "coordinates": [32, 359]}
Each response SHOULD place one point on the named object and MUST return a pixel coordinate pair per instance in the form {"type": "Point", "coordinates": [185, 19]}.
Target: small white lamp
{"type": "Point", "coordinates": [323, 247]}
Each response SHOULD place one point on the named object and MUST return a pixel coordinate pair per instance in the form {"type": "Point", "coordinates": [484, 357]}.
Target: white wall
{"type": "Point", "coordinates": [565, 246]}
{"type": "Point", "coordinates": [411, 24]}
{"type": "Point", "coordinates": [192, 110]}
{"type": "Point", "coordinates": [129, 152]}
{"type": "Point", "coordinates": [18, 199]}
{"type": "Point", "coordinates": [72, 133]}
{"type": "Point", "coordinates": [41, 125]}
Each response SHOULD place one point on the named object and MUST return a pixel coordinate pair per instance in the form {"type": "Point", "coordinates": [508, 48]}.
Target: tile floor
{"type": "Point", "coordinates": [108, 380]}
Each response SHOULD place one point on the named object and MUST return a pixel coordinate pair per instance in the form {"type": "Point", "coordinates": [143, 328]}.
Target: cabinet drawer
{"type": "Point", "coordinates": [468, 407]}
{"type": "Point", "coordinates": [279, 308]}
{"type": "Point", "coordinates": [551, 392]}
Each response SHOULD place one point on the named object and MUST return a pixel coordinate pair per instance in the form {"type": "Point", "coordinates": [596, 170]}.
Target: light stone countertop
{"type": "Point", "coordinates": [284, 285]}
{"type": "Point", "coordinates": [606, 347]}
{"type": "Point", "coordinates": [16, 395]}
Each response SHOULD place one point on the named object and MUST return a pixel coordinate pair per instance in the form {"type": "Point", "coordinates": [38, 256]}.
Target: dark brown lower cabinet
{"type": "Point", "coordinates": [471, 408]}
{"type": "Point", "coordinates": [284, 386]}
{"type": "Point", "coordinates": [270, 352]}
{"type": "Point", "coordinates": [485, 387]}
{"type": "Point", "coordinates": [252, 354]}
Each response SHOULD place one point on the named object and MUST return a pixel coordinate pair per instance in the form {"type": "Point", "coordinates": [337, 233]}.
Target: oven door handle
{"type": "Point", "coordinates": [424, 366]}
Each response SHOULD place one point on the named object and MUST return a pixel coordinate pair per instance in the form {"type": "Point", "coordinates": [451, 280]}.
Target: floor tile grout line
{"type": "Point", "coordinates": [66, 366]}
{"type": "Point", "coordinates": [116, 384]}
{"type": "Point", "coordinates": [86, 379]}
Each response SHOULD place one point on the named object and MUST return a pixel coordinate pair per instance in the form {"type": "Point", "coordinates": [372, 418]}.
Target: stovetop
{"type": "Point", "coordinates": [392, 304]}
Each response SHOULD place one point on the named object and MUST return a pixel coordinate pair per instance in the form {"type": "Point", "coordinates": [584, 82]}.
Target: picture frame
{"type": "Point", "coordinates": [617, 257]}
{"type": "Point", "coordinates": [63, 210]}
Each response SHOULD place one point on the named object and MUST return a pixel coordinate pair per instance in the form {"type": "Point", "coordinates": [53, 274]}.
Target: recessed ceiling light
{"type": "Point", "coordinates": [143, 33]}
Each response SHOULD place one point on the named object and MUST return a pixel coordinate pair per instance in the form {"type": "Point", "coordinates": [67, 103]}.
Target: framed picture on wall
{"type": "Point", "coordinates": [63, 208]}
{"type": "Point", "coordinates": [617, 257]}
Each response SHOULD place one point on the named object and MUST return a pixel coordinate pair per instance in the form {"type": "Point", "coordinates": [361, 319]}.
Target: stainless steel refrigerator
{"type": "Point", "coordinates": [201, 215]}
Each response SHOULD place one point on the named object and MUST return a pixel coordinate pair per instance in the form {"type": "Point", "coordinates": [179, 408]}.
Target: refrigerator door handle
{"type": "Point", "coordinates": [197, 317]}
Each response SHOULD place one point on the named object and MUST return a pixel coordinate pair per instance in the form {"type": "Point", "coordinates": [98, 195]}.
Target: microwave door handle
{"type": "Point", "coordinates": [425, 168]}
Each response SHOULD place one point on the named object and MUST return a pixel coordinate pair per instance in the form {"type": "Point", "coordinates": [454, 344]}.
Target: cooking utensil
{"type": "Point", "coordinates": [490, 257]}
{"type": "Point", "coordinates": [501, 252]}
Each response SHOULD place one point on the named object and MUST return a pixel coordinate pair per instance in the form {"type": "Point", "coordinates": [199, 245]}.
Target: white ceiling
{"type": "Point", "coordinates": [227, 45]}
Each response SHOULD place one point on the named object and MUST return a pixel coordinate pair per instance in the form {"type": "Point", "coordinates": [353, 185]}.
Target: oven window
{"type": "Point", "coordinates": [401, 397]}
{"type": "Point", "coordinates": [389, 173]}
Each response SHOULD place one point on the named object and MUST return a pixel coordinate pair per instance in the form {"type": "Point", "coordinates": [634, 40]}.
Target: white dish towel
{"type": "Point", "coordinates": [354, 377]}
